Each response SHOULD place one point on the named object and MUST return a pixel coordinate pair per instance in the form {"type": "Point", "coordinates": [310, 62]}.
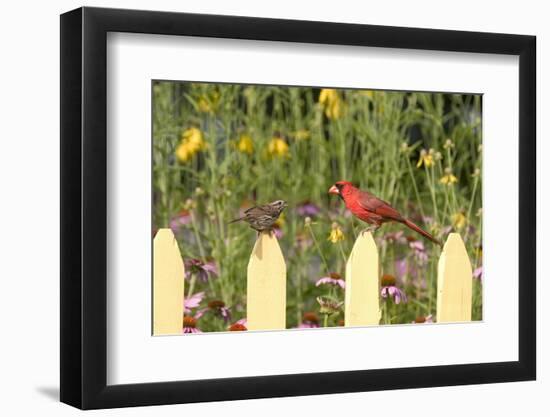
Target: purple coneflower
{"type": "Point", "coordinates": [389, 289]}
{"type": "Point", "coordinates": [423, 319]}
{"type": "Point", "coordinates": [309, 321]}
{"type": "Point", "coordinates": [334, 278]}
{"type": "Point", "coordinates": [419, 250]}
{"type": "Point", "coordinates": [308, 209]}
{"type": "Point", "coordinates": [192, 302]}
{"type": "Point", "coordinates": [203, 270]}
{"type": "Point", "coordinates": [237, 327]}
{"type": "Point", "coordinates": [190, 325]}
{"type": "Point", "coordinates": [217, 307]}
{"type": "Point", "coordinates": [478, 273]}
{"type": "Point", "coordinates": [181, 219]}
{"type": "Point", "coordinates": [277, 231]}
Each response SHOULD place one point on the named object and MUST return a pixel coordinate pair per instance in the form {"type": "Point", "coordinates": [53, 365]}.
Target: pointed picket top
{"type": "Point", "coordinates": [454, 282]}
{"type": "Point", "coordinates": [266, 285]}
{"type": "Point", "coordinates": [362, 283]}
{"type": "Point", "coordinates": [168, 284]}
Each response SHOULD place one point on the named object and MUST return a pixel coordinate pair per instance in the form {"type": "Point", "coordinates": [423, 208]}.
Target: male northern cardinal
{"type": "Point", "coordinates": [371, 209]}
{"type": "Point", "coordinates": [262, 218]}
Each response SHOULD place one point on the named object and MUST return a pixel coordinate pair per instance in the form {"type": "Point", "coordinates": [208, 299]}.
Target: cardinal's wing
{"type": "Point", "coordinates": [377, 206]}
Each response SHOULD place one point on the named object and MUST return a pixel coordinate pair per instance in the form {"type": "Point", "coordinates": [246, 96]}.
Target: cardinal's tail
{"type": "Point", "coordinates": [235, 220]}
{"type": "Point", "coordinates": [417, 229]}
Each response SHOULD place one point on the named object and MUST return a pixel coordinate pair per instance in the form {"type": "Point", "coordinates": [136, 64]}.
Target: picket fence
{"type": "Point", "coordinates": [266, 284]}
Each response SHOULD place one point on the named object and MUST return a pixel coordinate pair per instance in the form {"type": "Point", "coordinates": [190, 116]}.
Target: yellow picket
{"type": "Point", "coordinates": [168, 284]}
{"type": "Point", "coordinates": [362, 283]}
{"type": "Point", "coordinates": [266, 285]}
{"type": "Point", "coordinates": [454, 282]}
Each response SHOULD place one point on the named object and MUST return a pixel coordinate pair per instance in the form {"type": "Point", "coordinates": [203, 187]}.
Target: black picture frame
{"type": "Point", "coordinates": [84, 207]}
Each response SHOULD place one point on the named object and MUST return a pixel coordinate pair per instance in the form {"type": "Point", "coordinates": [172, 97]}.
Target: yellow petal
{"type": "Point", "coordinates": [182, 153]}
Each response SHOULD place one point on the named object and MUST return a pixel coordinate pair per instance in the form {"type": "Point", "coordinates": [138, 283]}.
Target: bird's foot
{"type": "Point", "coordinates": [370, 229]}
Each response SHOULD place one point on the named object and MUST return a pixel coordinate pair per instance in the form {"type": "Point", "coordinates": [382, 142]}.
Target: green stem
{"type": "Point", "coordinates": [470, 206]}
{"type": "Point", "coordinates": [299, 296]}
{"type": "Point", "coordinates": [197, 236]}
{"type": "Point", "coordinates": [453, 194]}
{"type": "Point", "coordinates": [385, 312]}
{"type": "Point", "coordinates": [430, 291]}
{"type": "Point", "coordinates": [318, 248]}
{"type": "Point", "coordinates": [431, 180]}
{"type": "Point", "coordinates": [342, 252]}
{"type": "Point", "coordinates": [191, 285]}
{"type": "Point", "coordinates": [415, 187]}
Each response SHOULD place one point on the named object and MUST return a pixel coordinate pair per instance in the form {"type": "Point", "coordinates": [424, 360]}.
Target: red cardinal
{"type": "Point", "coordinates": [371, 209]}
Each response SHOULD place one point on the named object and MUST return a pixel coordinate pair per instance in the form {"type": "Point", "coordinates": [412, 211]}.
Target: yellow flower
{"type": "Point", "coordinates": [459, 220]}
{"type": "Point", "coordinates": [194, 137]}
{"type": "Point", "coordinates": [204, 106]}
{"type": "Point", "coordinates": [245, 144]}
{"type": "Point", "coordinates": [183, 153]}
{"type": "Point", "coordinates": [277, 147]}
{"type": "Point", "coordinates": [330, 101]}
{"type": "Point", "coordinates": [336, 234]}
{"type": "Point", "coordinates": [280, 222]}
{"type": "Point", "coordinates": [448, 178]}
{"type": "Point", "coordinates": [209, 103]}
{"type": "Point", "coordinates": [426, 158]}
{"type": "Point", "coordinates": [192, 141]}
{"type": "Point", "coordinates": [367, 93]}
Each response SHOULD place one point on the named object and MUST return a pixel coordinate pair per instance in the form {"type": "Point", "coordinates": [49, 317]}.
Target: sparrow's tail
{"type": "Point", "coordinates": [236, 220]}
{"type": "Point", "coordinates": [417, 229]}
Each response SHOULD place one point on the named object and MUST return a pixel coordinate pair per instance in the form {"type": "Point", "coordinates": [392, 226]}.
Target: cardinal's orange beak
{"type": "Point", "coordinates": [333, 190]}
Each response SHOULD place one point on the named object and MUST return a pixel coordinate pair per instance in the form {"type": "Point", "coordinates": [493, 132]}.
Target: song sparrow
{"type": "Point", "coordinates": [262, 218]}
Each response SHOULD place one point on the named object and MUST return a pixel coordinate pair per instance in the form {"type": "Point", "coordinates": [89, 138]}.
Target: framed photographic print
{"type": "Point", "coordinates": [258, 207]}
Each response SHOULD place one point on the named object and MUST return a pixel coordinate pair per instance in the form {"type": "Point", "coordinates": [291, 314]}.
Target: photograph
{"type": "Point", "coordinates": [320, 182]}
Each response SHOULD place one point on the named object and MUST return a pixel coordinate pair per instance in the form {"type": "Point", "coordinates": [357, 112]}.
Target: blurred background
{"type": "Point", "coordinates": [221, 148]}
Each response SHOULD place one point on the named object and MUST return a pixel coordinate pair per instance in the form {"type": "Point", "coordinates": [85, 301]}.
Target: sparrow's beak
{"type": "Point", "coordinates": [333, 190]}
